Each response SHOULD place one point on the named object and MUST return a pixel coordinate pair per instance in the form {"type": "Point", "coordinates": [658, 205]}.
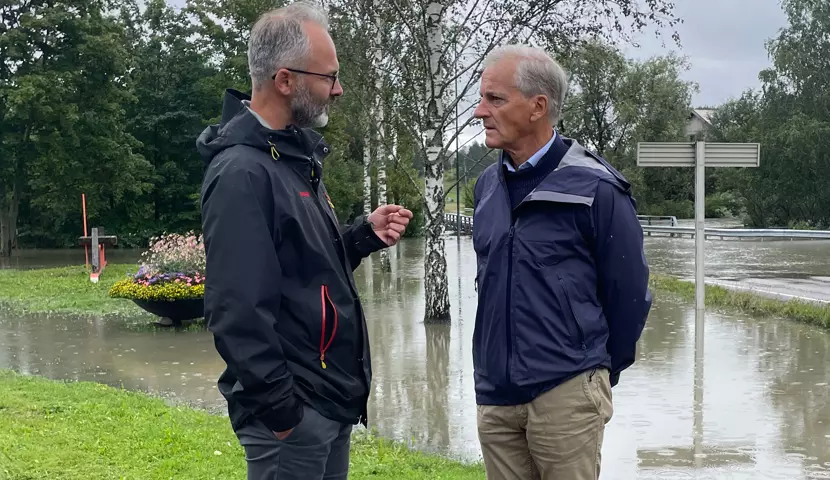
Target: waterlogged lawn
{"type": "Point", "coordinates": [74, 431]}
{"type": "Point", "coordinates": [719, 297]}
{"type": "Point", "coordinates": [65, 290]}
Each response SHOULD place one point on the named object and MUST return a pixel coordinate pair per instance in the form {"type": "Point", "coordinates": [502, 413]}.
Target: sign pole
{"type": "Point", "coordinates": [700, 239]}
{"type": "Point", "coordinates": [699, 155]}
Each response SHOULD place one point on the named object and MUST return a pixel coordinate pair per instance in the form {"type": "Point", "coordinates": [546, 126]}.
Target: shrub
{"type": "Point", "coordinates": [173, 268]}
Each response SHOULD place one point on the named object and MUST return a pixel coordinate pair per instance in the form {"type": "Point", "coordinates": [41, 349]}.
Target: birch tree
{"type": "Point", "coordinates": [434, 91]}
{"type": "Point", "coordinates": [378, 119]}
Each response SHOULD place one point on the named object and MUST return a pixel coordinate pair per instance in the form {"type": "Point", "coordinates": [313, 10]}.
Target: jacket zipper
{"type": "Point", "coordinates": [508, 318]}
{"type": "Point", "coordinates": [324, 297]}
{"type": "Point", "coordinates": [571, 310]}
{"type": "Point", "coordinates": [315, 183]}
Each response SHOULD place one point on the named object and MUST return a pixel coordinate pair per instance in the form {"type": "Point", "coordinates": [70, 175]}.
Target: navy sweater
{"type": "Point", "coordinates": [521, 182]}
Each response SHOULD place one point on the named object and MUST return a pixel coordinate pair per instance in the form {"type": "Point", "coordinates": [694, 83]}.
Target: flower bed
{"type": "Point", "coordinates": [172, 269]}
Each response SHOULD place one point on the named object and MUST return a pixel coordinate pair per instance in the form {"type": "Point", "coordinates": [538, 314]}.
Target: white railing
{"type": "Point", "coordinates": [721, 233]}
{"type": "Point", "coordinates": [675, 231]}
{"type": "Point", "coordinates": [654, 219]}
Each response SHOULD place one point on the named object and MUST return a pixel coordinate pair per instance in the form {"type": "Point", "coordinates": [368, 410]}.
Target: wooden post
{"type": "Point", "coordinates": [96, 256]}
{"type": "Point", "coordinates": [86, 248]}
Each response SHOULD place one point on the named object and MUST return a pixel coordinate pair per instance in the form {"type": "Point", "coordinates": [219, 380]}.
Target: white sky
{"type": "Point", "coordinates": [724, 41]}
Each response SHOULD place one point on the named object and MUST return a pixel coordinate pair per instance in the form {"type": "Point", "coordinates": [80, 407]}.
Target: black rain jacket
{"type": "Point", "coordinates": [280, 296]}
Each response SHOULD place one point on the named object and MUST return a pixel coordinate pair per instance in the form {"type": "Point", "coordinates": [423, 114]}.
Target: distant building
{"type": "Point", "coordinates": [699, 122]}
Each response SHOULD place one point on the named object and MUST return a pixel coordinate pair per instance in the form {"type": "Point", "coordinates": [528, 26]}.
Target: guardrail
{"type": "Point", "coordinates": [652, 219]}
{"type": "Point", "coordinates": [675, 231]}
{"type": "Point", "coordinates": [740, 233]}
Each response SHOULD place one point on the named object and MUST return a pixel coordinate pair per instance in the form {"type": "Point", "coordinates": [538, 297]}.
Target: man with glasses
{"type": "Point", "coordinates": [280, 297]}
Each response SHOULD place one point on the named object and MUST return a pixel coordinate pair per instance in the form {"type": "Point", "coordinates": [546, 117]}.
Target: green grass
{"type": "Point", "coordinates": [74, 431]}
{"type": "Point", "coordinates": [65, 290]}
{"type": "Point", "coordinates": [746, 302]}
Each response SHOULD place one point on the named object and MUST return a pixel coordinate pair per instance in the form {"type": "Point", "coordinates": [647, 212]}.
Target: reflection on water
{"type": "Point", "coordinates": [763, 410]}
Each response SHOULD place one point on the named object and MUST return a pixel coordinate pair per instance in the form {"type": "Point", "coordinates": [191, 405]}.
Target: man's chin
{"type": "Point", "coordinates": [321, 121]}
{"type": "Point", "coordinates": [492, 139]}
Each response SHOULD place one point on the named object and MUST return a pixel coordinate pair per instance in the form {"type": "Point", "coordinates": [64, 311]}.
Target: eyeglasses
{"type": "Point", "coordinates": [333, 78]}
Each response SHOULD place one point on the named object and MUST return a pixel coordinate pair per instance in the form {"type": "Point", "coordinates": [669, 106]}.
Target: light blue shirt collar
{"type": "Point", "coordinates": [533, 160]}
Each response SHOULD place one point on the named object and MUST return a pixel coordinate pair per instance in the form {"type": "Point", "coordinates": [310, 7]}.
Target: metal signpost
{"type": "Point", "coordinates": [700, 155]}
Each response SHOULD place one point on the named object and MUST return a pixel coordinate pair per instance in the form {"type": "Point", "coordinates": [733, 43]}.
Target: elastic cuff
{"type": "Point", "coordinates": [283, 419]}
{"type": "Point", "coordinates": [366, 240]}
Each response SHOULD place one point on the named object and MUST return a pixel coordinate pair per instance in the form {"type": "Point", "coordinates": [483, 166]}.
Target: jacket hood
{"type": "Point", "coordinates": [579, 156]}
{"type": "Point", "coordinates": [238, 126]}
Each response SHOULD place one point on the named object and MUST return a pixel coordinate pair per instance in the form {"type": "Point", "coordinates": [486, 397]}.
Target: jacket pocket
{"type": "Point", "coordinates": [332, 318]}
{"type": "Point", "coordinates": [570, 310]}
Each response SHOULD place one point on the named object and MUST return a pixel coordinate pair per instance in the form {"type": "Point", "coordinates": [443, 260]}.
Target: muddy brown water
{"type": "Point", "coordinates": [763, 410]}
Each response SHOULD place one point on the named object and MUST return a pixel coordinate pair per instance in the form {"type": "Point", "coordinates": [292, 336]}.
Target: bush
{"type": "Point", "coordinates": [172, 269]}
{"type": "Point", "coordinates": [723, 204]}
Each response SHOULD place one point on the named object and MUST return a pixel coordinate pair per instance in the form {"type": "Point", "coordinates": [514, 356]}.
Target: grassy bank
{"type": "Point", "coordinates": [89, 431]}
{"type": "Point", "coordinates": [746, 302]}
{"type": "Point", "coordinates": [65, 290]}
{"type": "Point", "coordinates": [68, 290]}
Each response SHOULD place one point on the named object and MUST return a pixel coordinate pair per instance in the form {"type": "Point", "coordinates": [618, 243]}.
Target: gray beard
{"type": "Point", "coordinates": [306, 112]}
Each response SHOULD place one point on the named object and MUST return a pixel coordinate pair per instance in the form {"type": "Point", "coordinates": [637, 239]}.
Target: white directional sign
{"type": "Point", "coordinates": [684, 154]}
{"type": "Point", "coordinates": [699, 155]}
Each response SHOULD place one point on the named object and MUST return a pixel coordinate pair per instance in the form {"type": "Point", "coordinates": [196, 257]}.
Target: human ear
{"type": "Point", "coordinates": [284, 82]}
{"type": "Point", "coordinates": [539, 107]}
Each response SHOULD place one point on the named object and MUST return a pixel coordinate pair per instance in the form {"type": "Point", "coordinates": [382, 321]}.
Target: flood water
{"type": "Point", "coordinates": [763, 410]}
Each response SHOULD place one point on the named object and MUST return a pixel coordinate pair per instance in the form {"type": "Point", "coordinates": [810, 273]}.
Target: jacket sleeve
{"type": "Point", "coordinates": [243, 292]}
{"type": "Point", "coordinates": [622, 273]}
{"type": "Point", "coordinates": [360, 241]}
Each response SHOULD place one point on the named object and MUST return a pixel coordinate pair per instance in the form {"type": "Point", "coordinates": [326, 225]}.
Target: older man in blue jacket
{"type": "Point", "coordinates": [562, 280]}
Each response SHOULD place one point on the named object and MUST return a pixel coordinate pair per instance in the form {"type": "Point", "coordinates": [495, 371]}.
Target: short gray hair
{"type": "Point", "coordinates": [536, 74]}
{"type": "Point", "coordinates": [278, 40]}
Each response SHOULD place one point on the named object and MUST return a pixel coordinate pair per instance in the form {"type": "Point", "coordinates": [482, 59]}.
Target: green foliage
{"type": "Point", "coordinates": [63, 93]}
{"type": "Point", "coordinates": [723, 204]}
{"type": "Point", "coordinates": [108, 102]}
{"type": "Point", "coordinates": [616, 103]}
{"type": "Point", "coordinates": [85, 430]}
{"type": "Point", "coordinates": [468, 193]}
{"type": "Point", "coordinates": [790, 118]}
{"type": "Point", "coordinates": [403, 190]}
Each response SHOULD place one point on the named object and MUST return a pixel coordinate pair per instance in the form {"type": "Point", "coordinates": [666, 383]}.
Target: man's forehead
{"type": "Point", "coordinates": [323, 51]}
{"type": "Point", "coordinates": [500, 75]}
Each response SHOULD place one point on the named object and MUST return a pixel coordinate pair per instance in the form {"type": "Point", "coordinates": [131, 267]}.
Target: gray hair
{"type": "Point", "coordinates": [278, 40]}
{"type": "Point", "coordinates": [536, 74]}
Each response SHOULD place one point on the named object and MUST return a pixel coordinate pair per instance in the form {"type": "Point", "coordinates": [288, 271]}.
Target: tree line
{"type": "Point", "coordinates": [106, 98]}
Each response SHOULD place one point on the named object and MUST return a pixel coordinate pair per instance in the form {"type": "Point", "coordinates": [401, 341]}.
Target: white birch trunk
{"type": "Point", "coordinates": [385, 265]}
{"type": "Point", "coordinates": [435, 262]}
{"type": "Point", "coordinates": [367, 177]}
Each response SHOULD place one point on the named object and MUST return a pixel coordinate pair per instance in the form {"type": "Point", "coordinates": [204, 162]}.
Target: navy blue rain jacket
{"type": "Point", "coordinates": [562, 280]}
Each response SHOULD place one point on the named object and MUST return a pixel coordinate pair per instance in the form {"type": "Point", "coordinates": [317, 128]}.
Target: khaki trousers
{"type": "Point", "coordinates": [557, 436]}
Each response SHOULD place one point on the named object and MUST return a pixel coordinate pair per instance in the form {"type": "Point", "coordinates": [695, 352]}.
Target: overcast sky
{"type": "Point", "coordinates": [724, 41]}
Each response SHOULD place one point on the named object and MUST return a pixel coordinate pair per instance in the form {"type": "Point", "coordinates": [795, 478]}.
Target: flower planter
{"type": "Point", "coordinates": [176, 310]}
{"type": "Point", "coordinates": [170, 282]}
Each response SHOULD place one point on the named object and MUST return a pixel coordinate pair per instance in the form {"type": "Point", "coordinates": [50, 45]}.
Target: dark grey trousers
{"type": "Point", "coordinates": [317, 449]}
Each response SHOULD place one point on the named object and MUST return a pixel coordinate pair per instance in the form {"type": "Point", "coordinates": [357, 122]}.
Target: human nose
{"type": "Point", "coordinates": [336, 88]}
{"type": "Point", "coordinates": [480, 111]}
